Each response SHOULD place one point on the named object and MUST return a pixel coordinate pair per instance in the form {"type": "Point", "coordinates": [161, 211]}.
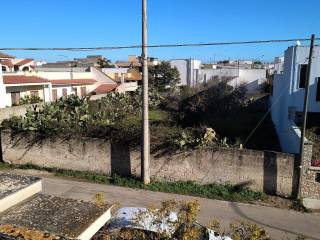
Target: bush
{"type": "Point", "coordinates": [30, 100]}
{"type": "Point", "coordinates": [183, 227]}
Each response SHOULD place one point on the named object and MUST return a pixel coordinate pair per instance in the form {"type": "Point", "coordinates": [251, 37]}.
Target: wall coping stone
{"type": "Point", "coordinates": [314, 169]}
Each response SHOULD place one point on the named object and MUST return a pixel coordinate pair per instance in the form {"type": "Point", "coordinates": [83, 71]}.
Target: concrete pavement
{"type": "Point", "coordinates": [280, 223]}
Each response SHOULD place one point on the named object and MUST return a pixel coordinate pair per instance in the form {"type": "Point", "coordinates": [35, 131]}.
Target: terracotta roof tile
{"type": "Point", "coordinates": [104, 88]}
{"type": "Point", "coordinates": [4, 55]}
{"type": "Point", "coordinates": [21, 79]}
{"type": "Point", "coordinates": [73, 81]}
{"type": "Point", "coordinates": [24, 61]}
{"type": "Point", "coordinates": [7, 63]}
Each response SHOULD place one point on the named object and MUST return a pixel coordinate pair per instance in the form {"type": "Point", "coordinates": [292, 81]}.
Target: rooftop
{"type": "Point", "coordinates": [72, 81]}
{"type": "Point", "coordinates": [104, 88]}
{"type": "Point", "coordinates": [24, 61]}
{"type": "Point", "coordinates": [21, 79]}
{"type": "Point", "coordinates": [4, 55]}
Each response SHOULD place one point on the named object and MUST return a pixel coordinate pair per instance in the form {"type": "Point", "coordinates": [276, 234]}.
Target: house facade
{"type": "Point", "coordinates": [14, 87]}
{"type": "Point", "coordinates": [77, 81]}
{"type": "Point", "coordinates": [128, 79]}
{"type": "Point", "coordinates": [188, 69]}
{"type": "Point", "coordinates": [51, 84]}
{"type": "Point", "coordinates": [192, 74]}
{"type": "Point", "coordinates": [288, 94]}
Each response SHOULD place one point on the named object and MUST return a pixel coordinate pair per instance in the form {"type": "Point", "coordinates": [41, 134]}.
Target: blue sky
{"type": "Point", "coordinates": [90, 23]}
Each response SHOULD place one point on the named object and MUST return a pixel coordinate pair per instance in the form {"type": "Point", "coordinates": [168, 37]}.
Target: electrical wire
{"type": "Point", "coordinates": [265, 115]}
{"type": "Point", "coordinates": [158, 46]}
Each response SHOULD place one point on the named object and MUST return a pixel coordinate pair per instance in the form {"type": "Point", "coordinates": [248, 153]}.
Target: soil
{"type": "Point", "coordinates": [58, 216]}
{"type": "Point", "coordinates": [11, 183]}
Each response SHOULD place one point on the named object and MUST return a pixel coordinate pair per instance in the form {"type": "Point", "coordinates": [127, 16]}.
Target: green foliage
{"type": "Point", "coordinates": [82, 117]}
{"type": "Point", "coordinates": [69, 113]}
{"type": "Point", "coordinates": [219, 99]}
{"type": "Point", "coordinates": [105, 63]}
{"type": "Point", "coordinates": [163, 75]}
{"type": "Point", "coordinates": [191, 138]}
{"type": "Point", "coordinates": [30, 100]}
{"type": "Point", "coordinates": [266, 87]}
{"type": "Point", "coordinates": [212, 191]}
{"type": "Point", "coordinates": [185, 227]}
{"type": "Point", "coordinates": [248, 231]}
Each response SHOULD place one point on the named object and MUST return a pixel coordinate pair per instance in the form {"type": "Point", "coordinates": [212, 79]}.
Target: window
{"type": "Point", "coordinates": [34, 93]}
{"type": "Point", "coordinates": [54, 94]}
{"type": "Point", "coordinates": [4, 69]}
{"type": "Point", "coordinates": [15, 98]}
{"type": "Point", "coordinates": [318, 89]}
{"type": "Point", "coordinates": [303, 75]}
{"type": "Point", "coordinates": [64, 92]}
{"type": "Point", "coordinates": [83, 91]}
{"type": "Point", "coordinates": [75, 90]}
{"type": "Point", "coordinates": [25, 69]}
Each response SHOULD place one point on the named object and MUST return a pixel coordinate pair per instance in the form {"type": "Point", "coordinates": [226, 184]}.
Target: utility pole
{"type": "Point", "coordinates": [305, 114]}
{"type": "Point", "coordinates": [145, 155]}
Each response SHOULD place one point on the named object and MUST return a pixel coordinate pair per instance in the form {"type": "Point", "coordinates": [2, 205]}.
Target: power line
{"type": "Point", "coordinates": [266, 114]}
{"type": "Point", "coordinates": [159, 45]}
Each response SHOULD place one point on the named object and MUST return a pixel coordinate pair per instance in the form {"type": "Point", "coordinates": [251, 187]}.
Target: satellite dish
{"type": "Point", "coordinates": [298, 43]}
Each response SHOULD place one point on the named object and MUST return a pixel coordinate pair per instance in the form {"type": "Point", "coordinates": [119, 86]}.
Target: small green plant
{"type": "Point", "coordinates": [30, 100]}
{"type": "Point", "coordinates": [247, 231]}
{"type": "Point", "coordinates": [184, 227]}
{"type": "Point", "coordinates": [100, 199]}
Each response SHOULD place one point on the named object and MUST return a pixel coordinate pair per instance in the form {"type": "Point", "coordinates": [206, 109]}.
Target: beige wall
{"type": "Point", "coordinates": [262, 171]}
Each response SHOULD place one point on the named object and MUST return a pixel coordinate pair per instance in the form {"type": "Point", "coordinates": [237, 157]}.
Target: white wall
{"type": "Point", "coordinates": [189, 70]}
{"type": "Point", "coordinates": [206, 74]}
{"type": "Point", "coordinates": [127, 87]}
{"type": "Point", "coordinates": [64, 75]}
{"type": "Point", "coordinates": [114, 70]}
{"type": "Point", "coordinates": [182, 67]}
{"type": "Point", "coordinates": [288, 98]}
{"type": "Point", "coordinates": [297, 94]}
{"type": "Point", "coordinates": [100, 76]}
{"type": "Point", "coordinates": [3, 98]}
{"type": "Point", "coordinates": [250, 78]}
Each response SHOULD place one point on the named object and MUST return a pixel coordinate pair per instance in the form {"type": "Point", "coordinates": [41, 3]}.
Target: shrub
{"type": "Point", "coordinates": [184, 227]}
{"type": "Point", "coordinates": [30, 100]}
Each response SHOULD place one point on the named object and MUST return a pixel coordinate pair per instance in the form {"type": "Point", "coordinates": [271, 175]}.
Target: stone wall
{"type": "Point", "coordinates": [8, 112]}
{"type": "Point", "coordinates": [310, 181]}
{"type": "Point", "coordinates": [263, 171]}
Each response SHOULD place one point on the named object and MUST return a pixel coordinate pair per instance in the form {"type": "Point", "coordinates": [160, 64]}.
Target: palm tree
{"type": "Point", "coordinates": [105, 63]}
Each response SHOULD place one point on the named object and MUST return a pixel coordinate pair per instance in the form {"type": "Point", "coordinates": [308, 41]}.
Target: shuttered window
{"type": "Point", "coordinates": [303, 75]}
{"type": "Point", "coordinates": [318, 89]}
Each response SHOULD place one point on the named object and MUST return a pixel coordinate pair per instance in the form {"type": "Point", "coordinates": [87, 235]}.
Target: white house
{"type": "Point", "coordinates": [191, 74]}
{"type": "Point", "coordinates": [12, 64]}
{"type": "Point", "coordinates": [78, 81]}
{"type": "Point", "coordinates": [288, 94]}
{"type": "Point", "coordinates": [278, 65]}
{"type": "Point", "coordinates": [128, 79]}
{"type": "Point", "coordinates": [51, 84]}
{"type": "Point", "coordinates": [188, 69]}
{"type": "Point", "coordinates": [15, 86]}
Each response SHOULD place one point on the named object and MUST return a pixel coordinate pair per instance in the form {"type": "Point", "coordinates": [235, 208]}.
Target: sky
{"type": "Point", "coordinates": [94, 23]}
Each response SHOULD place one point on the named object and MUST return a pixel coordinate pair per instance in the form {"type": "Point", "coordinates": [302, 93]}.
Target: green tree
{"type": "Point", "coordinates": [163, 75]}
{"type": "Point", "coordinates": [105, 63]}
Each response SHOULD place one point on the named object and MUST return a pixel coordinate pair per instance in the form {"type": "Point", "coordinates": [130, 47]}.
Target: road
{"type": "Point", "coordinates": [280, 223]}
